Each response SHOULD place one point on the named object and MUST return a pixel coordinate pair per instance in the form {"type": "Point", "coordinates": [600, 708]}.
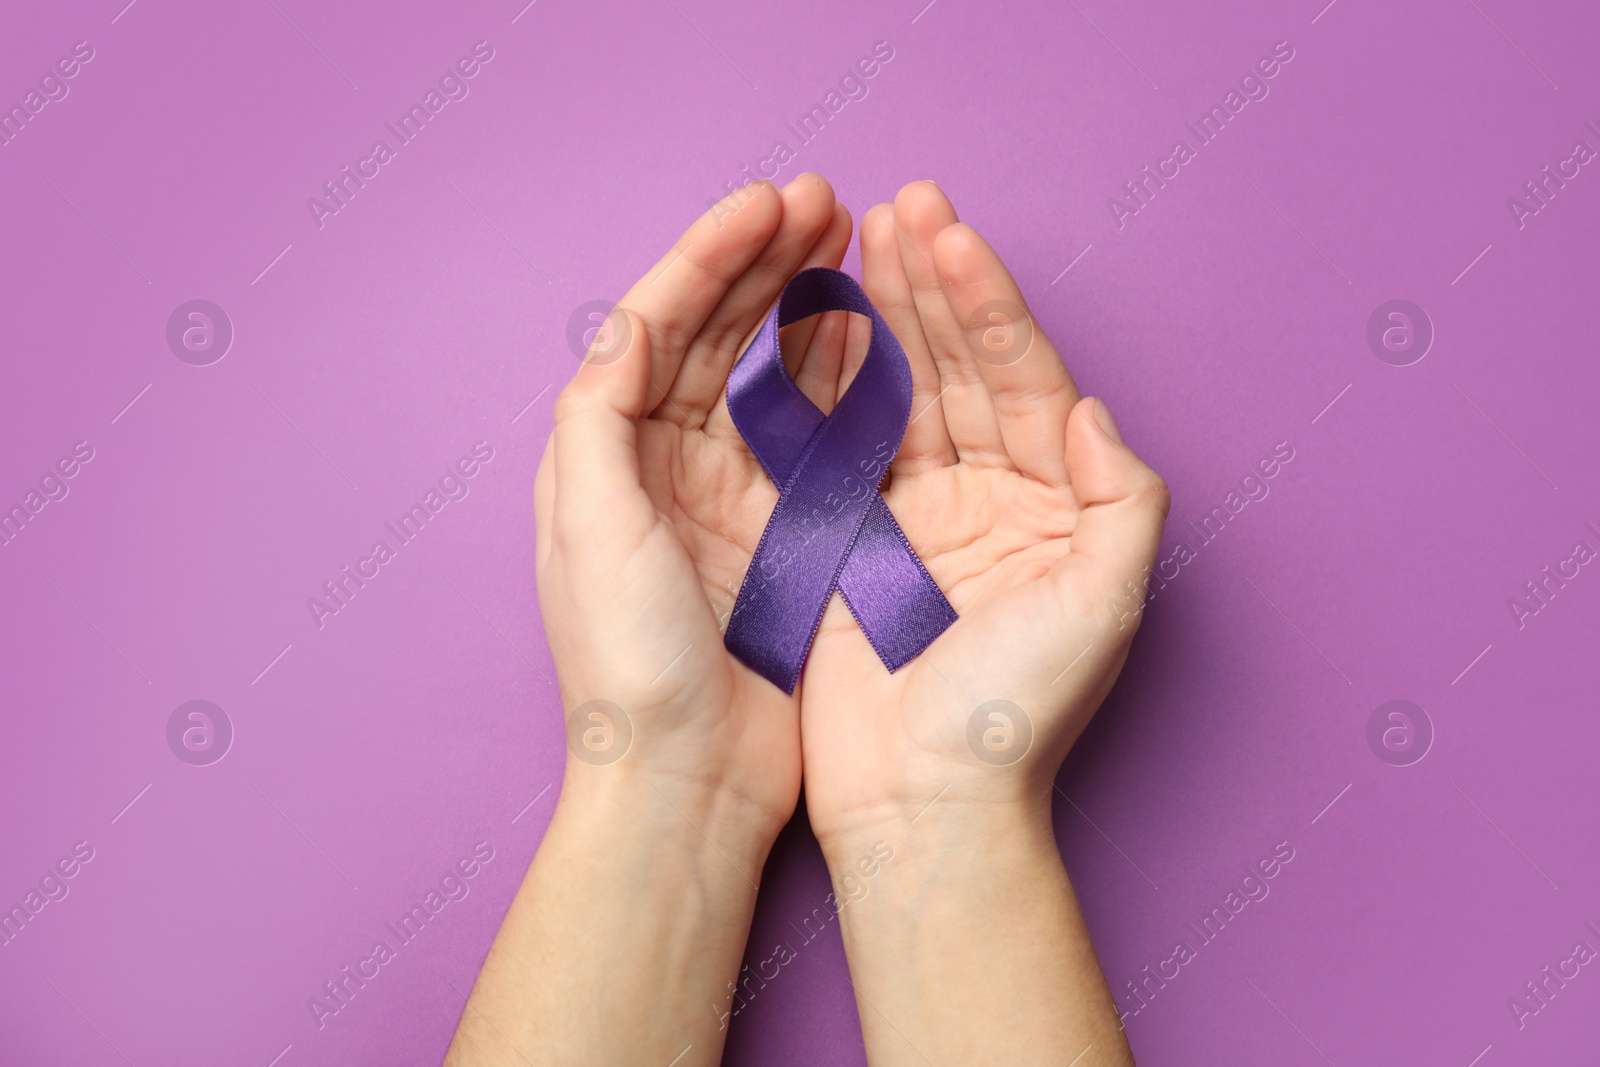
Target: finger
{"type": "Point", "coordinates": [883, 276]}
{"type": "Point", "coordinates": [921, 211]}
{"type": "Point", "coordinates": [858, 339]}
{"type": "Point", "coordinates": [807, 213]}
{"type": "Point", "coordinates": [820, 366]}
{"type": "Point", "coordinates": [827, 252]}
{"type": "Point", "coordinates": [677, 295]}
{"type": "Point", "coordinates": [1124, 503]}
{"type": "Point", "coordinates": [1032, 392]}
{"type": "Point", "coordinates": [595, 440]}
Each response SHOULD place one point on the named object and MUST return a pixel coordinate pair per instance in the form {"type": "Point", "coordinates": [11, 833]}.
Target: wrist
{"type": "Point", "coordinates": [975, 899]}
{"type": "Point", "coordinates": [940, 840]}
{"type": "Point", "coordinates": [958, 816]}
{"type": "Point", "coordinates": [709, 827]}
{"type": "Point", "coordinates": [931, 881]}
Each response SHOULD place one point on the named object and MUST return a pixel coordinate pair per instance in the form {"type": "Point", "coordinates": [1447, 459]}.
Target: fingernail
{"type": "Point", "coordinates": [1102, 415]}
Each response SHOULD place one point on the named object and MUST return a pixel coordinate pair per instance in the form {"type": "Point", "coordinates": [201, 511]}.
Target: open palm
{"type": "Point", "coordinates": [649, 506]}
{"type": "Point", "coordinates": [1030, 514]}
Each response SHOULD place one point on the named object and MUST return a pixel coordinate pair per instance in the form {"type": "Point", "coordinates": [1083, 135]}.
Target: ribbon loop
{"type": "Point", "coordinates": [830, 529]}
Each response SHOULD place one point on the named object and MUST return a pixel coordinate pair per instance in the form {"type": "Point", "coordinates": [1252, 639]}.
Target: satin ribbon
{"type": "Point", "coordinates": [830, 528]}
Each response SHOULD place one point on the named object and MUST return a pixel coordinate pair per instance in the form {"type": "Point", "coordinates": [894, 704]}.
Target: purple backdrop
{"type": "Point", "coordinates": [176, 488]}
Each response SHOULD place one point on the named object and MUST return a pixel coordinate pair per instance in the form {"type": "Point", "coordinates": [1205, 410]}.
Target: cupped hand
{"type": "Point", "coordinates": [649, 506]}
{"type": "Point", "coordinates": [1031, 514]}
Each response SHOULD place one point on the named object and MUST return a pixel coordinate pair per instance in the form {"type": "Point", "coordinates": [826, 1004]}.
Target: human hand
{"type": "Point", "coordinates": [1039, 525]}
{"type": "Point", "coordinates": [649, 505]}
{"type": "Point", "coordinates": [626, 934]}
{"type": "Point", "coordinates": [1030, 514]}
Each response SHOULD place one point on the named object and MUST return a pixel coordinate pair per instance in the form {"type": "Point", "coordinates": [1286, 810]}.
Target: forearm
{"type": "Point", "coordinates": [623, 936]}
{"type": "Point", "coordinates": [969, 947]}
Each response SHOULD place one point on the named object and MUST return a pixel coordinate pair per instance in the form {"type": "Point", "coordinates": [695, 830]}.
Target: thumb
{"type": "Point", "coordinates": [1124, 503]}
{"type": "Point", "coordinates": [595, 440]}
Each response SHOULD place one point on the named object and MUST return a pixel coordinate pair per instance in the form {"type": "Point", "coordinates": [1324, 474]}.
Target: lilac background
{"type": "Point", "coordinates": [431, 313]}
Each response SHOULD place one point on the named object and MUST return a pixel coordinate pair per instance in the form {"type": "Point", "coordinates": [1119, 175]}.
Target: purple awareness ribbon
{"type": "Point", "coordinates": [830, 529]}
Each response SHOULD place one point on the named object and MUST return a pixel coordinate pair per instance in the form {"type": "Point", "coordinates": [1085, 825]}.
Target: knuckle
{"type": "Point", "coordinates": [570, 402]}
{"type": "Point", "coordinates": [1154, 494]}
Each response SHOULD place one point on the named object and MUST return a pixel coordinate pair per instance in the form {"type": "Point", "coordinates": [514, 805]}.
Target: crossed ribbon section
{"type": "Point", "coordinates": [830, 529]}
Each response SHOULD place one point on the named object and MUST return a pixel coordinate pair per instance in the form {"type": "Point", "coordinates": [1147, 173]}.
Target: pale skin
{"type": "Point", "coordinates": [1030, 513]}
